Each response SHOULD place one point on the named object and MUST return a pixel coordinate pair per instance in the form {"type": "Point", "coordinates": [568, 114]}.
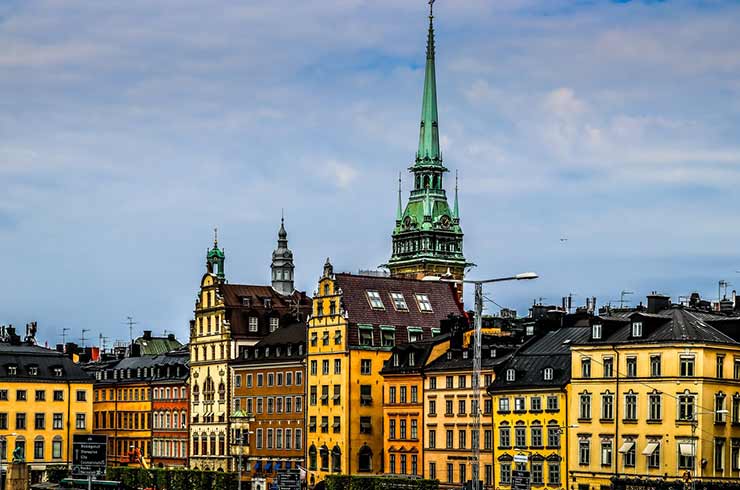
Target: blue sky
{"type": "Point", "coordinates": [128, 130]}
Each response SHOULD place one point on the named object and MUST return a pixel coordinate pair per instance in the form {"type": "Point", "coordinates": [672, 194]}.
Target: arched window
{"type": "Point", "coordinates": [221, 391]}
{"type": "Point", "coordinates": [196, 394]}
{"type": "Point", "coordinates": [183, 419]}
{"type": "Point", "coordinates": [222, 444]}
{"type": "Point", "coordinates": [365, 459]}
{"type": "Point", "coordinates": [426, 181]}
{"type": "Point", "coordinates": [312, 458]}
{"type": "Point", "coordinates": [167, 421]}
{"type": "Point", "coordinates": [213, 444]}
{"type": "Point", "coordinates": [208, 389]}
{"type": "Point", "coordinates": [336, 460]}
{"type": "Point", "coordinates": [324, 454]}
{"type": "Point", "coordinates": [175, 420]}
{"type": "Point", "coordinates": [204, 445]}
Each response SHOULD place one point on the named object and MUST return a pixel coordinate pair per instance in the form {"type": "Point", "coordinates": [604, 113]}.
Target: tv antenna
{"type": "Point", "coordinates": [64, 336]}
{"type": "Point", "coordinates": [130, 322]}
{"type": "Point", "coordinates": [82, 339]}
{"type": "Point", "coordinates": [622, 299]}
{"type": "Point", "coordinates": [723, 289]}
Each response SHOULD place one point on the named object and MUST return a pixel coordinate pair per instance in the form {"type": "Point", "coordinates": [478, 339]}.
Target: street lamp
{"type": "Point", "coordinates": [477, 356]}
{"type": "Point", "coordinates": [242, 419]}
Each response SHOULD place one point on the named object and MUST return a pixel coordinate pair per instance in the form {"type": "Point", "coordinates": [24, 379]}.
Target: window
{"type": "Point", "coordinates": [628, 453]}
{"type": "Point", "coordinates": [504, 436]}
{"type": "Point", "coordinates": [336, 425]}
{"type": "Point", "coordinates": [520, 436]}
{"type": "Point", "coordinates": [553, 436]}
{"type": "Point", "coordinates": [311, 424]}
{"type": "Point", "coordinates": [337, 337]}
{"type": "Point", "coordinates": [686, 403]}
{"type": "Point", "coordinates": [432, 407]}
{"type": "Point", "coordinates": [461, 407]}
{"type": "Point", "coordinates": [505, 473]}
{"type": "Point", "coordinates": [607, 406]}
{"type": "Point", "coordinates": [80, 421]}
{"type": "Point", "coordinates": [425, 306]}
{"type": "Point", "coordinates": [39, 421]}
{"type": "Point", "coordinates": [20, 395]}
{"type": "Point", "coordinates": [414, 394]}
{"type": "Point", "coordinates": [274, 323]}
{"type": "Point", "coordinates": [548, 374]}
{"type": "Point", "coordinates": [585, 406]}
{"type": "Point", "coordinates": [388, 337]}
{"type": "Point", "coordinates": [375, 301]}
{"type": "Point", "coordinates": [535, 436]}
{"type": "Point", "coordinates": [325, 394]}
{"type": "Point", "coordinates": [365, 459]}
{"type": "Point", "coordinates": [510, 375]}
{"type": "Point", "coordinates": [366, 397]}
{"type": "Point", "coordinates": [655, 366]}
{"type": "Point", "coordinates": [637, 329]}
{"type": "Point", "coordinates": [553, 473]}
{"type": "Point", "coordinates": [686, 454]}
{"type": "Point", "coordinates": [586, 367]}
{"type": "Point", "coordinates": [325, 367]}
{"type": "Point", "coordinates": [719, 454]}
{"type": "Point", "coordinates": [365, 366]}
{"type": "Point", "coordinates": [366, 335]}
{"type": "Point", "coordinates": [325, 424]}
{"type": "Point", "coordinates": [654, 406]}
{"type": "Point", "coordinates": [536, 472]}
{"type": "Point", "coordinates": [687, 366]}
{"type": "Point", "coordinates": [253, 324]}
{"type": "Point", "coordinates": [56, 448]}
{"type": "Point", "coordinates": [337, 366]}
{"type": "Point", "coordinates": [399, 302]}
{"type": "Point", "coordinates": [553, 404]}
{"type": "Point", "coordinates": [325, 337]}
{"type": "Point", "coordinates": [337, 398]}
{"type": "Point", "coordinates": [503, 404]}
{"type": "Point", "coordinates": [20, 421]}
{"type": "Point", "coordinates": [720, 366]}
{"type": "Point", "coordinates": [38, 449]}
{"type": "Point", "coordinates": [487, 439]}
{"type": "Point", "coordinates": [652, 451]}
{"type": "Point", "coordinates": [448, 407]}
{"type": "Point", "coordinates": [312, 396]}
{"type": "Point", "coordinates": [631, 367]}
{"type": "Point", "coordinates": [314, 339]}
{"type": "Point", "coordinates": [449, 435]}
{"type": "Point", "coordinates": [736, 368]}
{"type": "Point", "coordinates": [608, 367]}
{"type": "Point", "coordinates": [432, 470]}
{"type": "Point", "coordinates": [535, 404]}
{"type": "Point", "coordinates": [433, 383]}
{"type": "Point", "coordinates": [520, 404]}
{"type": "Point", "coordinates": [402, 426]}
{"type": "Point", "coordinates": [630, 406]}
{"type": "Point", "coordinates": [584, 452]}
{"type": "Point", "coordinates": [606, 452]}
{"type": "Point", "coordinates": [719, 408]}
{"type": "Point", "coordinates": [596, 331]}
{"type": "Point", "coordinates": [40, 395]}
{"type": "Point", "coordinates": [487, 406]}
{"type": "Point", "coordinates": [462, 439]}
{"type": "Point", "coordinates": [736, 408]}
{"type": "Point", "coordinates": [56, 421]}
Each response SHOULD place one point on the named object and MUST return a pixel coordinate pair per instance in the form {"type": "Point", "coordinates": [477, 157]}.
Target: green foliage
{"type": "Point", "coordinates": [57, 473]}
{"type": "Point", "coordinates": [161, 479]}
{"type": "Point", "coordinates": [343, 482]}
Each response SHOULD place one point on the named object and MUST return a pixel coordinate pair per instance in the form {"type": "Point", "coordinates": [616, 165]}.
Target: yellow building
{"type": "Point", "coordinates": [403, 404]}
{"type": "Point", "coordinates": [530, 403]}
{"type": "Point", "coordinates": [656, 395]}
{"type": "Point", "coordinates": [45, 399]}
{"type": "Point", "coordinates": [356, 321]}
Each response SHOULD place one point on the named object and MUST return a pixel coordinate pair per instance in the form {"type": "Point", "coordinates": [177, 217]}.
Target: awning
{"type": "Point", "coordinates": [414, 329]}
{"type": "Point", "coordinates": [388, 328]}
{"type": "Point", "coordinates": [650, 448]}
{"type": "Point", "coordinates": [365, 327]}
{"type": "Point", "coordinates": [277, 466]}
{"type": "Point", "coordinates": [627, 447]}
{"type": "Point", "coordinates": [257, 466]}
{"type": "Point", "coordinates": [687, 449]}
{"type": "Point", "coordinates": [268, 466]}
{"type": "Point", "coordinates": [287, 465]}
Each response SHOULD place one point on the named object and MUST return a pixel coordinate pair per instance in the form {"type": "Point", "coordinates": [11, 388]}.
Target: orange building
{"type": "Point", "coordinates": [269, 389]}
{"type": "Point", "coordinates": [170, 410]}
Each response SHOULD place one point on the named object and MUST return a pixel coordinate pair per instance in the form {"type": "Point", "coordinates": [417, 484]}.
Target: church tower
{"type": "Point", "coordinates": [215, 258]}
{"type": "Point", "coordinates": [427, 238]}
{"type": "Point", "coordinates": [282, 264]}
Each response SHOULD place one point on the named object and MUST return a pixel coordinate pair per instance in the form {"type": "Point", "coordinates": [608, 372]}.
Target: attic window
{"type": "Point", "coordinates": [245, 301]}
{"type": "Point", "coordinates": [412, 359]}
{"type": "Point", "coordinates": [425, 306]}
{"type": "Point", "coordinates": [596, 331]}
{"type": "Point", "coordinates": [268, 302]}
{"type": "Point", "coordinates": [548, 374]}
{"type": "Point", "coordinates": [12, 370]}
{"type": "Point", "coordinates": [58, 372]}
{"type": "Point", "coordinates": [33, 371]}
{"type": "Point", "coordinates": [510, 375]}
{"type": "Point", "coordinates": [637, 329]}
{"type": "Point", "coordinates": [399, 302]}
{"type": "Point", "coordinates": [449, 355]}
{"type": "Point", "coordinates": [395, 359]}
{"type": "Point", "coordinates": [492, 353]}
{"type": "Point", "coordinates": [465, 354]}
{"type": "Point", "coordinates": [375, 302]}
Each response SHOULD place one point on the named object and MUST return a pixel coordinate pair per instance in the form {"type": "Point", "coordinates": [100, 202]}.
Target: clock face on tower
{"type": "Point", "coordinates": [286, 254]}
{"type": "Point", "coordinates": [407, 221]}
{"type": "Point", "coordinates": [445, 221]}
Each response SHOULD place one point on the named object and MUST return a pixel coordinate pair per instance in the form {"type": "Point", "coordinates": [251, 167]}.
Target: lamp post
{"type": "Point", "coordinates": [477, 357]}
{"type": "Point", "coordinates": [241, 419]}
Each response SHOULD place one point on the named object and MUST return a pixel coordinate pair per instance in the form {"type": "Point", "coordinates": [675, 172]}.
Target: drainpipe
{"type": "Point", "coordinates": [616, 411]}
{"type": "Point", "coordinates": [567, 438]}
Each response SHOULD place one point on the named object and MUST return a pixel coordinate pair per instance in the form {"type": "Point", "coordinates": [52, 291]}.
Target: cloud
{"type": "Point", "coordinates": [341, 174]}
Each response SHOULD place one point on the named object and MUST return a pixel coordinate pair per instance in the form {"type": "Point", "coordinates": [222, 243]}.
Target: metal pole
{"type": "Point", "coordinates": [89, 482]}
{"type": "Point", "coordinates": [476, 384]}
{"type": "Point", "coordinates": [241, 450]}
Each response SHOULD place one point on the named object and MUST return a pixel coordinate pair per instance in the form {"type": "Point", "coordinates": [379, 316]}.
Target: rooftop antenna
{"type": "Point", "coordinates": [722, 288]}
{"type": "Point", "coordinates": [622, 301]}
{"type": "Point", "coordinates": [130, 322]}
{"type": "Point", "coordinates": [82, 339]}
{"type": "Point", "coordinates": [64, 336]}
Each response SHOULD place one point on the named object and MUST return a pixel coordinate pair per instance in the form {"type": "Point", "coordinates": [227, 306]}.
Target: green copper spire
{"type": "Point", "coordinates": [215, 258]}
{"type": "Point", "coordinates": [455, 207]}
{"type": "Point", "coordinates": [399, 211]}
{"type": "Point", "coordinates": [428, 153]}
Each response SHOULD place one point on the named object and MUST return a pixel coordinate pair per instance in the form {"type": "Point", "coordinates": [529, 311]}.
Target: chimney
{"type": "Point", "coordinates": [658, 302]}
{"type": "Point", "coordinates": [147, 335]}
{"type": "Point", "coordinates": [171, 336]}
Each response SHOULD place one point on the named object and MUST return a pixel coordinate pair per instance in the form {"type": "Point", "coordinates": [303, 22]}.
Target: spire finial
{"type": "Point", "coordinates": [215, 237]}
{"type": "Point", "coordinates": [455, 209]}
{"type": "Point", "coordinates": [399, 211]}
{"type": "Point", "coordinates": [431, 9]}
{"type": "Point", "coordinates": [282, 216]}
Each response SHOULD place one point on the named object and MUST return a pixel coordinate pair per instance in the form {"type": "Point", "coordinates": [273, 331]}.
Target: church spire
{"type": "Point", "coordinates": [282, 263]}
{"type": "Point", "coordinates": [215, 258]}
{"type": "Point", "coordinates": [455, 207]}
{"type": "Point", "coordinates": [399, 211]}
{"type": "Point", "coordinates": [428, 153]}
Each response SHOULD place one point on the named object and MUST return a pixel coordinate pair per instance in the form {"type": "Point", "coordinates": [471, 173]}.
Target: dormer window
{"type": "Point", "coordinates": [548, 374]}
{"type": "Point", "coordinates": [465, 354]}
{"type": "Point", "coordinates": [412, 358]}
{"type": "Point", "coordinates": [58, 372]}
{"type": "Point", "coordinates": [12, 370]}
{"type": "Point", "coordinates": [596, 331]}
{"type": "Point", "coordinates": [636, 329]}
{"type": "Point", "coordinates": [510, 374]}
{"type": "Point", "coordinates": [492, 353]}
{"type": "Point", "coordinates": [253, 324]}
{"type": "Point", "coordinates": [245, 301]}
{"type": "Point", "coordinates": [376, 302]}
{"type": "Point", "coordinates": [449, 355]}
{"type": "Point", "coordinates": [399, 302]}
{"type": "Point", "coordinates": [267, 302]}
{"type": "Point", "coordinates": [33, 371]}
{"type": "Point", "coordinates": [425, 306]}
{"type": "Point", "coordinates": [395, 359]}
{"type": "Point", "coordinates": [274, 323]}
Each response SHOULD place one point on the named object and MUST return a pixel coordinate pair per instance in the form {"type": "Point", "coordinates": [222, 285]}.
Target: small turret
{"type": "Point", "coordinates": [215, 258]}
{"type": "Point", "coordinates": [282, 263]}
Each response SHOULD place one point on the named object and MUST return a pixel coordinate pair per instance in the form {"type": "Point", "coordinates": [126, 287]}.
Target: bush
{"type": "Point", "coordinates": [343, 482]}
{"type": "Point", "coordinates": [161, 479]}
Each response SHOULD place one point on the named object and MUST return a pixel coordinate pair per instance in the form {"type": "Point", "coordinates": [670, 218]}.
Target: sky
{"type": "Point", "coordinates": [129, 130]}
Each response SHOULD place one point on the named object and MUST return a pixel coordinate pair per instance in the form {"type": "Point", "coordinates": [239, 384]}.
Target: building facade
{"type": "Point", "coordinates": [229, 318]}
{"type": "Point", "coordinates": [170, 405]}
{"type": "Point", "coordinates": [656, 396]}
{"type": "Point", "coordinates": [269, 388]}
{"type": "Point", "coordinates": [355, 322]}
{"type": "Point", "coordinates": [45, 399]}
{"type": "Point", "coordinates": [427, 238]}
{"type": "Point", "coordinates": [530, 410]}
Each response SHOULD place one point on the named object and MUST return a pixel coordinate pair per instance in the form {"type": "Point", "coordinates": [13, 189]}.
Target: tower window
{"type": "Point", "coordinates": [375, 302]}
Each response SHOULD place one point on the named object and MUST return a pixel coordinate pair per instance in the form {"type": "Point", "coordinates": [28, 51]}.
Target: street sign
{"type": "Point", "coordinates": [519, 480]}
{"type": "Point", "coordinates": [521, 458]}
{"type": "Point", "coordinates": [89, 454]}
{"type": "Point", "coordinates": [289, 480]}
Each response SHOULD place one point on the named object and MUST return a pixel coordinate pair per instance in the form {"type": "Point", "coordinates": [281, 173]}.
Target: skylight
{"type": "Point", "coordinates": [399, 302]}
{"type": "Point", "coordinates": [425, 306]}
{"type": "Point", "coordinates": [375, 301]}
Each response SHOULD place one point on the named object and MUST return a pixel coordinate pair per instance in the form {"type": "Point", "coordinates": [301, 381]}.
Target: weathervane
{"type": "Point", "coordinates": [431, 8]}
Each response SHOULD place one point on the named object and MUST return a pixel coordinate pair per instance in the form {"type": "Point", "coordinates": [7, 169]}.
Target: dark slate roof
{"type": "Point", "coordinates": [459, 363]}
{"type": "Point", "coordinates": [442, 297]}
{"type": "Point", "coordinates": [25, 356]}
{"type": "Point", "coordinates": [421, 351]}
{"type": "Point", "coordinates": [552, 350]}
{"type": "Point", "coordinates": [283, 307]}
{"type": "Point", "coordinates": [277, 342]}
{"type": "Point", "coordinates": [180, 357]}
{"type": "Point", "coordinates": [289, 334]}
{"type": "Point", "coordinates": [676, 323]}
